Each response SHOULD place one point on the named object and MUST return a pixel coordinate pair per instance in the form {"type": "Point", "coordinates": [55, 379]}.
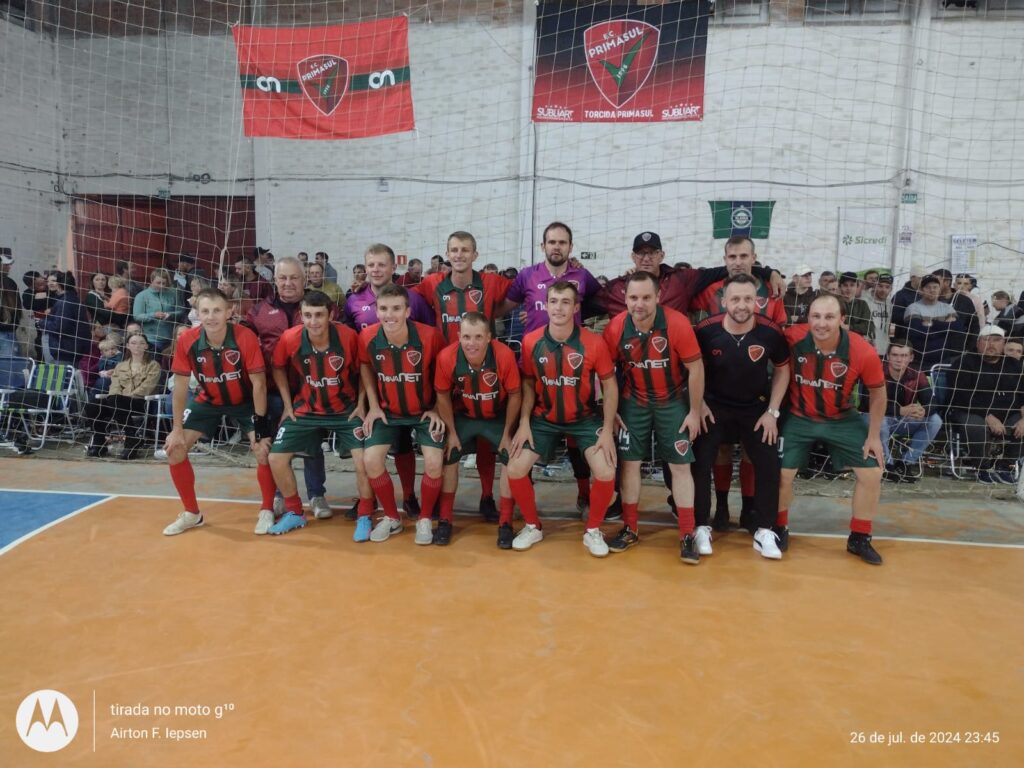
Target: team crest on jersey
{"type": "Point", "coordinates": [414, 356]}
{"type": "Point", "coordinates": [490, 378]}
{"type": "Point", "coordinates": [755, 351]}
{"type": "Point", "coordinates": [762, 302]}
{"type": "Point", "coordinates": [232, 356]}
{"type": "Point", "coordinates": [575, 360]}
{"type": "Point", "coordinates": [476, 297]}
{"type": "Point", "coordinates": [335, 361]}
{"type": "Point", "coordinates": [659, 343]}
{"type": "Point", "coordinates": [838, 369]}
{"type": "Point", "coordinates": [682, 446]}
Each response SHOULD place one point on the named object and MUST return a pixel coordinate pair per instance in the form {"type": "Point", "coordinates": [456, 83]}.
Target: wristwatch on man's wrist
{"type": "Point", "coordinates": [773, 412]}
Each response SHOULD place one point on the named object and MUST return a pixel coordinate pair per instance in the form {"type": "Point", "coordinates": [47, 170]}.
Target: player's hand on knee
{"type": "Point", "coordinates": [706, 418]}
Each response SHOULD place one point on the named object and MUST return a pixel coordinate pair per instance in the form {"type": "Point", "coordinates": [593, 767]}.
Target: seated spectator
{"type": "Point", "coordinates": [196, 284]}
{"type": "Point", "coordinates": [878, 301]}
{"type": "Point", "coordinates": [1006, 315]}
{"type": "Point", "coordinates": [413, 274]}
{"type": "Point", "coordinates": [858, 313]}
{"type": "Point", "coordinates": [317, 282]}
{"type": "Point", "coordinates": [68, 330]}
{"type": "Point", "coordinates": [798, 297]}
{"type": "Point", "coordinates": [967, 313]}
{"type": "Point", "coordinates": [156, 308]}
{"type": "Point", "coordinates": [239, 305]}
{"type": "Point", "coordinates": [933, 329]}
{"type": "Point", "coordinates": [907, 413]}
{"type": "Point", "coordinates": [903, 298]}
{"type": "Point", "coordinates": [986, 406]}
{"type": "Point", "coordinates": [110, 351]}
{"type": "Point", "coordinates": [130, 382]}
{"type": "Point", "coordinates": [1014, 348]}
{"type": "Point", "coordinates": [330, 273]}
{"type": "Point", "coordinates": [10, 318]}
{"type": "Point", "coordinates": [251, 285]}
{"type": "Point", "coordinates": [358, 279]}
{"type": "Point", "coordinates": [97, 297]}
{"type": "Point", "coordinates": [119, 305]}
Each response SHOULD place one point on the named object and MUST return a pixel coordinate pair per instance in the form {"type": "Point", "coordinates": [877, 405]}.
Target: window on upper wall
{"type": "Point", "coordinates": [739, 12]}
{"type": "Point", "coordinates": [826, 11]}
{"type": "Point", "coordinates": [979, 9]}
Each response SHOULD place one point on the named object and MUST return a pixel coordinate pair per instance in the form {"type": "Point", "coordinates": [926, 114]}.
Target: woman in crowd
{"type": "Point", "coordinates": [119, 305]}
{"type": "Point", "coordinates": [97, 297]}
{"type": "Point", "coordinates": [156, 307]}
{"type": "Point", "coordinates": [131, 381]}
{"type": "Point", "coordinates": [68, 330]}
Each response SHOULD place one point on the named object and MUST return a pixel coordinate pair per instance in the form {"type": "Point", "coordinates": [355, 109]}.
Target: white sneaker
{"type": "Point", "coordinates": [424, 531]}
{"type": "Point", "coordinates": [470, 462]}
{"type": "Point", "coordinates": [279, 509]}
{"type": "Point", "coordinates": [702, 538]}
{"type": "Point", "coordinates": [593, 540]}
{"type": "Point", "coordinates": [185, 521]}
{"type": "Point", "coordinates": [321, 509]}
{"type": "Point", "coordinates": [384, 528]}
{"type": "Point", "coordinates": [264, 520]}
{"type": "Point", "coordinates": [159, 453]}
{"type": "Point", "coordinates": [527, 537]}
{"type": "Point", "coordinates": [766, 542]}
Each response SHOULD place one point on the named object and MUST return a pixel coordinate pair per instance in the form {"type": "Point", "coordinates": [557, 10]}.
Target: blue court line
{"type": "Point", "coordinates": [23, 514]}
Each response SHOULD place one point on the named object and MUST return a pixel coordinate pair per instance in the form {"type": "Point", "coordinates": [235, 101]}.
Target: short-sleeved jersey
{"type": "Point", "coordinates": [480, 393]}
{"type": "Point", "coordinates": [222, 372]}
{"type": "Point", "coordinates": [530, 288]}
{"type": "Point", "coordinates": [563, 372]}
{"type": "Point", "coordinates": [485, 292]}
{"type": "Point", "coordinates": [329, 379]}
{"type": "Point", "coordinates": [652, 362]}
{"type": "Point", "coordinates": [711, 300]}
{"type": "Point", "coordinates": [736, 372]}
{"type": "Point", "coordinates": [361, 308]}
{"type": "Point", "coordinates": [405, 375]}
{"type": "Point", "coordinates": [676, 289]}
{"type": "Point", "coordinates": [822, 383]}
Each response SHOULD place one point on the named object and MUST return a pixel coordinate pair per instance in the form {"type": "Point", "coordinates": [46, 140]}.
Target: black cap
{"type": "Point", "coordinates": [646, 240]}
{"type": "Point", "coordinates": [848, 277]}
{"type": "Point", "coordinates": [929, 280]}
{"type": "Point", "coordinates": [885, 279]}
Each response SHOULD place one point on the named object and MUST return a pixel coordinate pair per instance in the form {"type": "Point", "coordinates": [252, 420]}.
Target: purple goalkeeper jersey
{"type": "Point", "coordinates": [361, 309]}
{"type": "Point", "coordinates": [530, 288]}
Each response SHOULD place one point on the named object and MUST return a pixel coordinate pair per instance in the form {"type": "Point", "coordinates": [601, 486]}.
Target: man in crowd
{"type": "Point", "coordinates": [413, 274]}
{"type": "Point", "coordinates": [828, 283]}
{"type": "Point", "coordinates": [252, 283]}
{"type": "Point", "coordinates": [880, 307]}
{"type": "Point", "coordinates": [970, 317]}
{"type": "Point", "coordinates": [330, 273]}
{"type": "Point", "coordinates": [858, 313]}
{"type": "Point", "coordinates": [903, 298]}
{"type": "Point", "coordinates": [797, 299]}
{"type": "Point", "coordinates": [316, 282]}
{"type": "Point", "coordinates": [933, 329]}
{"type": "Point", "coordinates": [358, 280]}
{"type": "Point", "coordinates": [126, 270]}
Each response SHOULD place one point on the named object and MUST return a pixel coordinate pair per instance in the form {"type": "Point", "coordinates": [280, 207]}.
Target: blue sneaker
{"type": "Point", "coordinates": [289, 522]}
{"type": "Point", "coordinates": [362, 532]}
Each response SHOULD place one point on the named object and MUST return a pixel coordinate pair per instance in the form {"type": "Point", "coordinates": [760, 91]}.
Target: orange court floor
{"type": "Point", "coordinates": [221, 648]}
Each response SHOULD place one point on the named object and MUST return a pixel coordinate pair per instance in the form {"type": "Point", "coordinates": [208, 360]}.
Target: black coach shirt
{"type": "Point", "coordinates": [736, 373]}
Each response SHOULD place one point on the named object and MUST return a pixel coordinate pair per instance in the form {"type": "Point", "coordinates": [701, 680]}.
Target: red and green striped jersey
{"type": "Point", "coordinates": [653, 362]}
{"type": "Point", "coordinates": [480, 393]}
{"type": "Point", "coordinates": [404, 374]}
{"type": "Point", "coordinates": [222, 372]}
{"type": "Point", "coordinates": [328, 379]}
{"type": "Point", "coordinates": [822, 383]}
{"type": "Point", "coordinates": [563, 373]}
{"type": "Point", "coordinates": [484, 294]}
{"type": "Point", "coordinates": [711, 300]}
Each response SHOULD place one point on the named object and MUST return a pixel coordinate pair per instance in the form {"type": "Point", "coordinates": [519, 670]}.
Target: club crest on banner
{"type": "Point", "coordinates": [620, 56]}
{"type": "Point", "coordinates": [324, 81]}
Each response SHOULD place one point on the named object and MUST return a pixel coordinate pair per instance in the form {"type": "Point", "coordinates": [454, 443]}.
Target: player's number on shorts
{"type": "Point", "coordinates": [279, 435]}
{"type": "Point", "coordinates": [185, 415]}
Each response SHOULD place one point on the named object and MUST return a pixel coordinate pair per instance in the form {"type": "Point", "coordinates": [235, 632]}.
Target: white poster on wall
{"type": "Point", "coordinates": [963, 252]}
{"type": "Point", "coordinates": [865, 238]}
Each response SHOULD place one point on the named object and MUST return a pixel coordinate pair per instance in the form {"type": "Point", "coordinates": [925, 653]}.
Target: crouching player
{"type": "Point", "coordinates": [657, 351]}
{"type": "Point", "coordinates": [559, 363]}
{"type": "Point", "coordinates": [397, 358]}
{"type": "Point", "coordinates": [228, 365]}
{"type": "Point", "coordinates": [324, 357]}
{"type": "Point", "coordinates": [478, 397]}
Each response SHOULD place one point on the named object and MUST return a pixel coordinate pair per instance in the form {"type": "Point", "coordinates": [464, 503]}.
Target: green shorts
{"type": "Point", "coordinates": [386, 434]}
{"type": "Point", "coordinates": [306, 433]}
{"type": "Point", "coordinates": [468, 430]}
{"type": "Point", "coordinates": [844, 437]}
{"type": "Point", "coordinates": [206, 418]}
{"type": "Point", "coordinates": [546, 435]}
{"type": "Point", "coordinates": [663, 421]}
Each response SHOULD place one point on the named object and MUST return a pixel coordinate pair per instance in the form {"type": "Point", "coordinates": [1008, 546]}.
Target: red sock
{"type": "Point", "coordinates": [631, 515]}
{"type": "Point", "coordinates": [385, 491]}
{"type": "Point", "coordinates": [366, 507]}
{"type": "Point", "coordinates": [860, 526]}
{"type": "Point", "coordinates": [522, 492]}
{"type": "Point", "coordinates": [447, 506]}
{"type": "Point", "coordinates": [184, 478]}
{"type": "Point", "coordinates": [686, 523]}
{"type": "Point", "coordinates": [723, 476]}
{"type": "Point", "coordinates": [746, 478]}
{"type": "Point", "coordinates": [405, 465]}
{"type": "Point", "coordinates": [430, 487]}
{"type": "Point", "coordinates": [485, 461]}
{"type": "Point", "coordinates": [603, 493]}
{"type": "Point", "coordinates": [583, 487]}
{"type": "Point", "coordinates": [293, 504]}
{"type": "Point", "coordinates": [506, 506]}
{"type": "Point", "coordinates": [782, 519]}
{"type": "Point", "coordinates": [265, 478]}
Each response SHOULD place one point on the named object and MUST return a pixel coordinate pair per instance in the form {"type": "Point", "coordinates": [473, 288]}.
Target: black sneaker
{"type": "Point", "coordinates": [987, 477]}
{"type": "Point", "coordinates": [352, 512]}
{"type": "Point", "coordinates": [488, 510]}
{"type": "Point", "coordinates": [443, 534]}
{"type": "Point", "coordinates": [891, 475]}
{"type": "Point", "coordinates": [688, 550]}
{"type": "Point", "coordinates": [96, 451]}
{"type": "Point", "coordinates": [623, 540]}
{"type": "Point", "coordinates": [505, 536]}
{"type": "Point", "coordinates": [436, 513]}
{"type": "Point", "coordinates": [672, 507]}
{"type": "Point", "coordinates": [783, 534]}
{"type": "Point", "coordinates": [859, 544]}
{"type": "Point", "coordinates": [411, 507]}
{"type": "Point", "coordinates": [614, 509]}
{"type": "Point", "coordinates": [720, 522]}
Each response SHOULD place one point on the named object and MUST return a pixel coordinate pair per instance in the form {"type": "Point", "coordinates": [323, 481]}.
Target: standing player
{"type": "Point", "coordinates": [660, 360]}
{"type": "Point", "coordinates": [478, 397]}
{"type": "Point", "coordinates": [323, 356]}
{"type": "Point", "coordinates": [740, 403]}
{"type": "Point", "coordinates": [451, 295]}
{"type": "Point", "coordinates": [559, 363]}
{"type": "Point", "coordinates": [227, 363]}
{"type": "Point", "coordinates": [827, 363]}
{"type": "Point", "coordinates": [396, 359]}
